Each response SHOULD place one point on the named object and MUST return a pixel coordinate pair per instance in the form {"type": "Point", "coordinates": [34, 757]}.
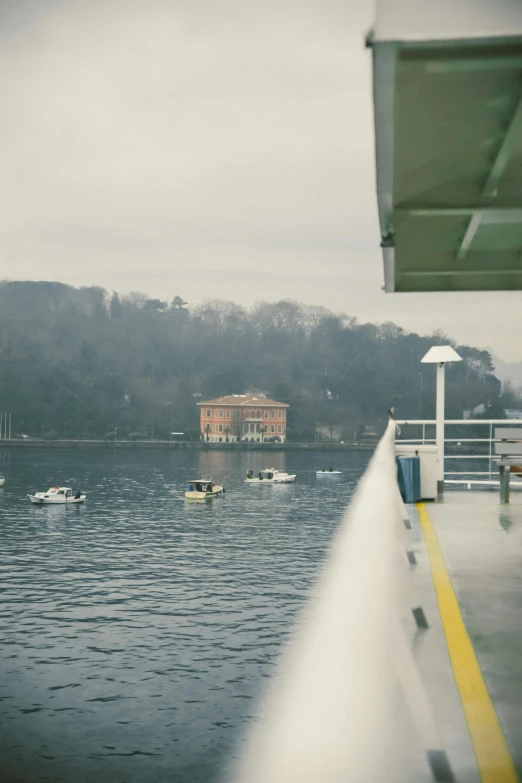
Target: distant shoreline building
{"type": "Point", "coordinates": [247, 417]}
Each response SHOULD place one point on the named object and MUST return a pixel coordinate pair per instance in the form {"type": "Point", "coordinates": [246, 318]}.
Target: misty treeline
{"type": "Point", "coordinates": [80, 362]}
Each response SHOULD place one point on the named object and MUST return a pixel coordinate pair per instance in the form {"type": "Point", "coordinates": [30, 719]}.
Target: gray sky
{"type": "Point", "coordinates": [207, 148]}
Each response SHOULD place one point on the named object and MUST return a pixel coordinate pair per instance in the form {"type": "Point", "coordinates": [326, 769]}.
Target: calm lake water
{"type": "Point", "coordinates": [137, 630]}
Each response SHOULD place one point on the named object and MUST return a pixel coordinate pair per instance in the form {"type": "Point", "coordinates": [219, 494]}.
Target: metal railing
{"type": "Point", "coordinates": [464, 452]}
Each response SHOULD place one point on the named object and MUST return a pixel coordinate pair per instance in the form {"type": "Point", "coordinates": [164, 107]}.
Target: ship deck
{"type": "Point", "coordinates": [469, 548]}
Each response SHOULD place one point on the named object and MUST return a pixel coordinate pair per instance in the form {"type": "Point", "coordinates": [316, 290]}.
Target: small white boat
{"type": "Point", "coordinates": [269, 476]}
{"type": "Point", "coordinates": [201, 489]}
{"type": "Point", "coordinates": [55, 496]}
{"type": "Point", "coordinates": [329, 472]}
{"type": "Point", "coordinates": [2, 480]}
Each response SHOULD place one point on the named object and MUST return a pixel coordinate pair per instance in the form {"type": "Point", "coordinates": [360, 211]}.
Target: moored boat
{"type": "Point", "coordinates": [2, 480]}
{"type": "Point", "coordinates": [269, 476]}
{"type": "Point", "coordinates": [55, 496]}
{"type": "Point", "coordinates": [329, 472]}
{"type": "Point", "coordinates": [201, 489]}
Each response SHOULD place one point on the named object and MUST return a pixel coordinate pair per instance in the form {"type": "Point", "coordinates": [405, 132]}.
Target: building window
{"type": "Point", "coordinates": [221, 413]}
{"type": "Point", "coordinates": [272, 414]}
{"type": "Point", "coordinates": [221, 428]}
{"type": "Point", "coordinates": [279, 414]}
{"type": "Point", "coordinates": [228, 413]}
{"type": "Point", "coordinates": [284, 413]}
{"type": "Point", "coordinates": [266, 414]}
{"type": "Point", "coordinates": [258, 414]}
{"type": "Point", "coordinates": [272, 428]}
{"type": "Point", "coordinates": [208, 413]}
{"type": "Point", "coordinates": [279, 428]}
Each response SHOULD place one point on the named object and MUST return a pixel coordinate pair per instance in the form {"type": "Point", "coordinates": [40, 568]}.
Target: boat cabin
{"type": "Point", "coordinates": [65, 491]}
{"type": "Point", "coordinates": [263, 474]}
{"type": "Point", "coordinates": [199, 486]}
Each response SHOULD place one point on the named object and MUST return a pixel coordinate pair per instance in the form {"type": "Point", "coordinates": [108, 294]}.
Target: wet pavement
{"type": "Point", "coordinates": [481, 542]}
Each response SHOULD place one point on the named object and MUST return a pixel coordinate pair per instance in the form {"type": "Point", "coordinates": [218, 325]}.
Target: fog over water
{"type": "Point", "coordinates": [206, 149]}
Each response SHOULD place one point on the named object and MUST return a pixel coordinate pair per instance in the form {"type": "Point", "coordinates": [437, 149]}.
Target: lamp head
{"type": "Point", "coordinates": [441, 354]}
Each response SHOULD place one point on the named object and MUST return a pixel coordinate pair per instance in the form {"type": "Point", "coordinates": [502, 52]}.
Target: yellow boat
{"type": "Point", "coordinates": [201, 489]}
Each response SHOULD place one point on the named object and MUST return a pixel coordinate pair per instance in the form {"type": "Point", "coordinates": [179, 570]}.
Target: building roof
{"type": "Point", "coordinates": [244, 400]}
{"type": "Point", "coordinates": [448, 124]}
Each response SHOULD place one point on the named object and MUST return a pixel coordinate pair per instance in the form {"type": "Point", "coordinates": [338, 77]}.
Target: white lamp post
{"type": "Point", "coordinates": [440, 355]}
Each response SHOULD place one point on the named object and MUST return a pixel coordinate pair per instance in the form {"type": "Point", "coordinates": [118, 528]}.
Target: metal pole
{"type": "Point", "coordinates": [504, 483]}
{"type": "Point", "coordinates": [440, 426]}
{"type": "Point", "coordinates": [490, 447]}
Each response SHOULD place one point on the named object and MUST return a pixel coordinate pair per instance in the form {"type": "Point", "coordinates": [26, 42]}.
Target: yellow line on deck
{"type": "Point", "coordinates": [493, 757]}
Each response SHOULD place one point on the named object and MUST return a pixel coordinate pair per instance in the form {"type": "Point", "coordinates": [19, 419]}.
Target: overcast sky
{"type": "Point", "coordinates": [206, 148]}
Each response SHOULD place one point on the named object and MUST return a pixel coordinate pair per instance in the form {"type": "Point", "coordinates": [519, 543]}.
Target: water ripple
{"type": "Point", "coordinates": [137, 630]}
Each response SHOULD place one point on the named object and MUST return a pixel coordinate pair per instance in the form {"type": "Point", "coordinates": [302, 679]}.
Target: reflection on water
{"type": "Point", "coordinates": [137, 629]}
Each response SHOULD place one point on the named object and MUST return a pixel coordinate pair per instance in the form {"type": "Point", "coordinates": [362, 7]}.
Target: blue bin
{"type": "Point", "coordinates": [408, 476]}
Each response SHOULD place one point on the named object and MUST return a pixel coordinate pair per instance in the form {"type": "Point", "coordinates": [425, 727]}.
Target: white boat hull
{"type": "Point", "coordinates": [286, 480]}
{"type": "Point", "coordinates": [195, 495]}
{"type": "Point", "coordinates": [328, 472]}
{"type": "Point", "coordinates": [38, 500]}
{"type": "Point", "coordinates": [2, 482]}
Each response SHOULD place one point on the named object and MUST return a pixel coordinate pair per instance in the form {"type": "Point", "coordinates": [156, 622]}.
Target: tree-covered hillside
{"type": "Point", "coordinates": [85, 363]}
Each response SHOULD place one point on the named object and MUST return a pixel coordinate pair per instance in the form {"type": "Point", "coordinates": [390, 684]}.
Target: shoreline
{"type": "Point", "coordinates": [187, 445]}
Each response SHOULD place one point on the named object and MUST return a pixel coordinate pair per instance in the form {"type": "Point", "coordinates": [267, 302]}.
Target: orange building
{"type": "Point", "coordinates": [243, 417]}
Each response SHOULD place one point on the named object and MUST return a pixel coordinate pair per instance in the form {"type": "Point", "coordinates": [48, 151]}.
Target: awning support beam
{"type": "Point", "coordinates": [472, 64]}
{"type": "Point", "coordinates": [490, 214]}
{"type": "Point", "coordinates": [511, 137]}
{"type": "Point", "coordinates": [471, 230]}
{"type": "Point", "coordinates": [457, 272]}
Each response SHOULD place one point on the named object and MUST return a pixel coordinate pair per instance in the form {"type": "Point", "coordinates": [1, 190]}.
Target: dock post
{"type": "Point", "coordinates": [504, 483]}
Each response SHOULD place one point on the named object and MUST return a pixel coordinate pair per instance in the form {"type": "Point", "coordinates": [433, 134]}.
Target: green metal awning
{"type": "Point", "coordinates": [448, 121]}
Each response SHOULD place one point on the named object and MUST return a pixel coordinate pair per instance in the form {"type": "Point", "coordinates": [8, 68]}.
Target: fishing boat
{"type": "Point", "coordinates": [201, 489]}
{"type": "Point", "coordinates": [329, 472]}
{"type": "Point", "coordinates": [56, 495]}
{"type": "Point", "coordinates": [269, 476]}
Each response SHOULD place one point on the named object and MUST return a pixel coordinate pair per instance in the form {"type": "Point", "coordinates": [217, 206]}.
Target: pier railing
{"type": "Point", "coordinates": [459, 447]}
{"type": "Point", "coordinates": [330, 712]}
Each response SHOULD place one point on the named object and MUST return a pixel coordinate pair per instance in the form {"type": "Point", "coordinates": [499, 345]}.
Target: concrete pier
{"type": "Point", "coordinates": [469, 581]}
